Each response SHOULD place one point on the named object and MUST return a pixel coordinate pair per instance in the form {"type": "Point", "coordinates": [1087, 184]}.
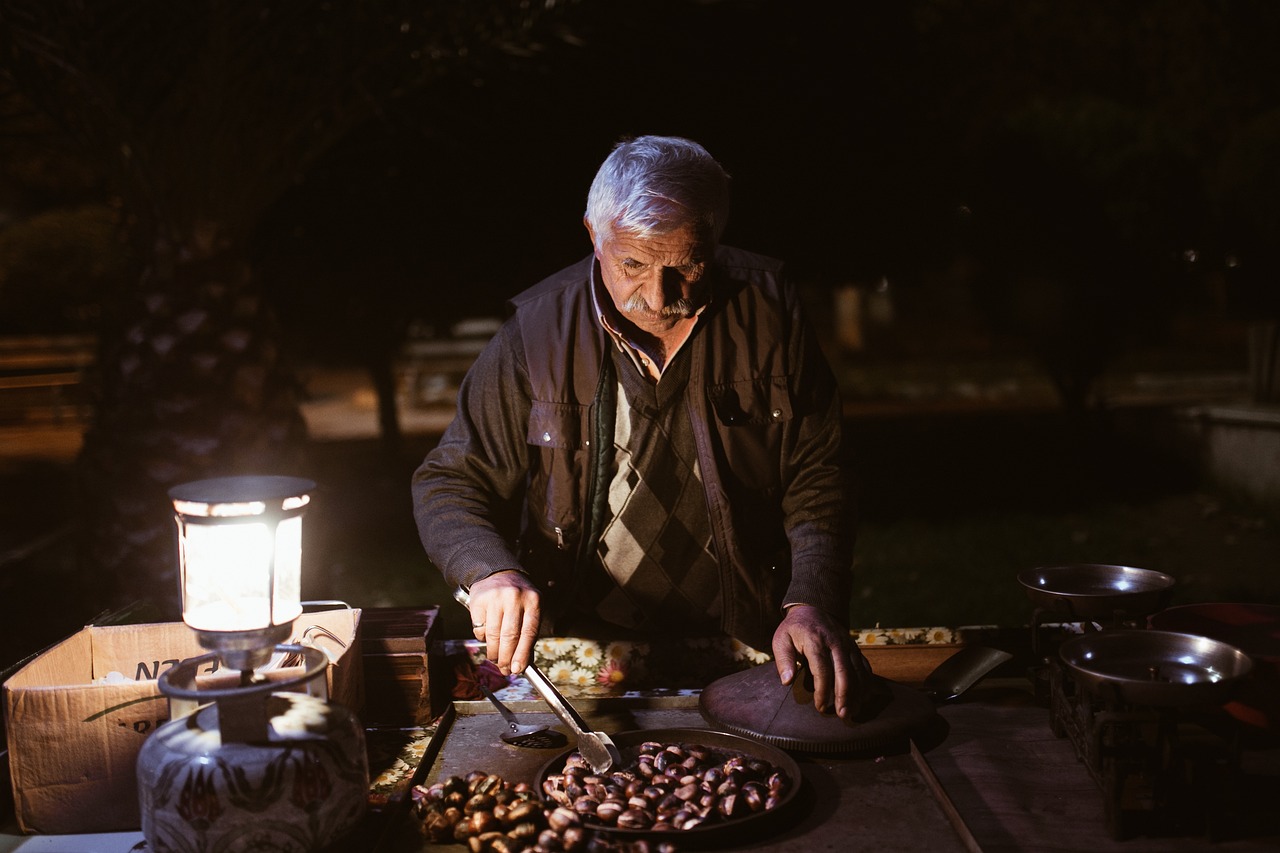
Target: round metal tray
{"type": "Point", "coordinates": [1157, 668]}
{"type": "Point", "coordinates": [1089, 591]}
{"type": "Point", "coordinates": [750, 827]}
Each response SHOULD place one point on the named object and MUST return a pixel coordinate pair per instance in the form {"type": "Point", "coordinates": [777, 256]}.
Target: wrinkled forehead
{"type": "Point", "coordinates": [685, 240]}
{"type": "Point", "coordinates": [684, 230]}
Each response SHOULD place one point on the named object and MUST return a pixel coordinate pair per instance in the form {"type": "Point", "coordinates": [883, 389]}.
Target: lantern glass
{"type": "Point", "coordinates": [230, 584]}
{"type": "Point", "coordinates": [240, 545]}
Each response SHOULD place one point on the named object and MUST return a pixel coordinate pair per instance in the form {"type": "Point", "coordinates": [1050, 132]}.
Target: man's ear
{"type": "Point", "coordinates": [591, 231]}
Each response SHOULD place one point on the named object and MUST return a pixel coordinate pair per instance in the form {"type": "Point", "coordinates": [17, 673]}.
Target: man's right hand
{"type": "Point", "coordinates": [506, 610]}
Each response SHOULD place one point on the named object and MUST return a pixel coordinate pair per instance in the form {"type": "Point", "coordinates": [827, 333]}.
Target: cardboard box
{"type": "Point", "coordinates": [77, 715]}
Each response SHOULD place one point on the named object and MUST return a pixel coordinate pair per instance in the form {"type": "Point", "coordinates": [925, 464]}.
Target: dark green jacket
{"type": "Point", "coordinates": [517, 481]}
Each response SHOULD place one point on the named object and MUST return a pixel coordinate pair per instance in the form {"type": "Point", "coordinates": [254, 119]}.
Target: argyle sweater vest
{"type": "Point", "coordinates": [655, 549]}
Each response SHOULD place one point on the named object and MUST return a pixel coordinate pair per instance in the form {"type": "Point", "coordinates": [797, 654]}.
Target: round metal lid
{"type": "Point", "coordinates": [755, 704]}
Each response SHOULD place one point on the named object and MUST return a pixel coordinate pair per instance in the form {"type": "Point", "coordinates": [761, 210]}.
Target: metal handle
{"type": "Point", "coordinates": [502, 709]}
{"type": "Point", "coordinates": [463, 597]}
{"type": "Point", "coordinates": [563, 709]}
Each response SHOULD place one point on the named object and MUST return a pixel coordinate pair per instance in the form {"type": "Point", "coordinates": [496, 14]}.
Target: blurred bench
{"type": "Point", "coordinates": [41, 376]}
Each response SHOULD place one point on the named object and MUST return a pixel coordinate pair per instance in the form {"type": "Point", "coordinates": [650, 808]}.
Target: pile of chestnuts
{"type": "Point", "coordinates": [491, 815]}
{"type": "Point", "coordinates": [667, 787]}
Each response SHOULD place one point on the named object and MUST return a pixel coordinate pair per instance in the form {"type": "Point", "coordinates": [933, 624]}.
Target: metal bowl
{"type": "Point", "coordinates": [1089, 591]}
{"type": "Point", "coordinates": [1157, 668]}
{"type": "Point", "coordinates": [737, 830]}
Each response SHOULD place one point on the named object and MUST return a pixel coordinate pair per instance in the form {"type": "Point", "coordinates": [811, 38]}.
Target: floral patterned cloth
{"type": "Point", "coordinates": [584, 667]}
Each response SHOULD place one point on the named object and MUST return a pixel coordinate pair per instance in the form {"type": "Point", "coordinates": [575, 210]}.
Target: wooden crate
{"type": "Point", "coordinates": [398, 665]}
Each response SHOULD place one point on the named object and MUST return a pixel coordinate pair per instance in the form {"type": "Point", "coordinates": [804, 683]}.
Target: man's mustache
{"type": "Point", "coordinates": [682, 307]}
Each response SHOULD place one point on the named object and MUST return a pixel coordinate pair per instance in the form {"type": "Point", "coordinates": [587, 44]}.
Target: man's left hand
{"type": "Point", "coordinates": [841, 675]}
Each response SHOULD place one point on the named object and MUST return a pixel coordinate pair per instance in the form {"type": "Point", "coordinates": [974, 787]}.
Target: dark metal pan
{"type": "Point", "coordinates": [1095, 591]}
{"type": "Point", "coordinates": [736, 830]}
{"type": "Point", "coordinates": [1157, 668]}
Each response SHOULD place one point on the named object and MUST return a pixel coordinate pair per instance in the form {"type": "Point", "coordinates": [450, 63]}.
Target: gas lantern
{"type": "Point", "coordinates": [255, 761]}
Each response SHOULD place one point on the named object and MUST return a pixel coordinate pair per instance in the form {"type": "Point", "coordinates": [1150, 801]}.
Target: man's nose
{"type": "Point", "coordinates": [670, 285]}
{"type": "Point", "coordinates": [661, 288]}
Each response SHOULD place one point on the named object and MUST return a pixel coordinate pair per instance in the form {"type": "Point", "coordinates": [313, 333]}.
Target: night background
{"type": "Point", "coordinates": [1032, 202]}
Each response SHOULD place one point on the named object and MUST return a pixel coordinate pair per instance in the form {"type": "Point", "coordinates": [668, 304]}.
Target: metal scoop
{"type": "Point", "coordinates": [525, 735]}
{"type": "Point", "coordinates": [961, 671]}
{"type": "Point", "coordinates": [596, 747]}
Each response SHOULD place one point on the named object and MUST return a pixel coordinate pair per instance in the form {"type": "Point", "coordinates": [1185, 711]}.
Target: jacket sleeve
{"type": "Point", "coordinates": [467, 492]}
{"type": "Point", "coordinates": [816, 501]}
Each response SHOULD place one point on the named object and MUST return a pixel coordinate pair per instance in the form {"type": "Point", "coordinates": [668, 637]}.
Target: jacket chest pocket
{"type": "Point", "coordinates": [750, 419]}
{"type": "Point", "coordinates": [753, 403]}
{"type": "Point", "coordinates": [558, 437]}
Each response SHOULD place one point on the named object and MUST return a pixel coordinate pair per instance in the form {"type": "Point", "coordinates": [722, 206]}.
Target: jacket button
{"type": "Point", "coordinates": [546, 436]}
{"type": "Point", "coordinates": [777, 414]}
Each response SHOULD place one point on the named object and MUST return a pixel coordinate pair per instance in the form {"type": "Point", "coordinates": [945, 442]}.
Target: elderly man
{"type": "Point", "coordinates": [650, 444]}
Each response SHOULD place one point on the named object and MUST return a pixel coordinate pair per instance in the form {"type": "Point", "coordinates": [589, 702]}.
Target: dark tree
{"type": "Point", "coordinates": [201, 115]}
{"type": "Point", "coordinates": [1086, 141]}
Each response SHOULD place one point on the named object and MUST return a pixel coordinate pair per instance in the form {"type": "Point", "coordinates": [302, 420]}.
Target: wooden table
{"type": "Point", "coordinates": [872, 804]}
{"type": "Point", "coordinates": [993, 778]}
{"type": "Point", "coordinates": [1018, 787]}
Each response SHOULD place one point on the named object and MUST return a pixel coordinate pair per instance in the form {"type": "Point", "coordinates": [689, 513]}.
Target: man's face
{"type": "Point", "coordinates": [655, 281]}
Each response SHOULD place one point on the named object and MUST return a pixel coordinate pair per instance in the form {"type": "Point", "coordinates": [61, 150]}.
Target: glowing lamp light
{"type": "Point", "coordinates": [240, 551]}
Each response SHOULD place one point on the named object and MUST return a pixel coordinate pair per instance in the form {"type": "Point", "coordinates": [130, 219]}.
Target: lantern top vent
{"type": "Point", "coordinates": [287, 492]}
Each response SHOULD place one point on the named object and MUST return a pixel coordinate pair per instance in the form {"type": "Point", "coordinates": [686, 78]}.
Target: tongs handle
{"type": "Point", "coordinates": [563, 709]}
{"type": "Point", "coordinates": [463, 597]}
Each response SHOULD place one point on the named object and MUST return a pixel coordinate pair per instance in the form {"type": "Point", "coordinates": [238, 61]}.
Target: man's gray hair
{"type": "Point", "coordinates": [655, 184]}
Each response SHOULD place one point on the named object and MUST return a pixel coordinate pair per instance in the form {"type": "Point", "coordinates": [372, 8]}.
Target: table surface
{"type": "Point", "coordinates": [875, 803]}
{"type": "Point", "coordinates": [1021, 789]}
{"type": "Point", "coordinates": [997, 779]}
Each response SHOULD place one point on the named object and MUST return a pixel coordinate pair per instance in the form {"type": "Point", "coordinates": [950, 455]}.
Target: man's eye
{"type": "Point", "coordinates": [632, 264]}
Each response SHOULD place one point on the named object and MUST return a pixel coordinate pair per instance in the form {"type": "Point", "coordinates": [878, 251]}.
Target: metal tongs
{"type": "Point", "coordinates": [596, 747]}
